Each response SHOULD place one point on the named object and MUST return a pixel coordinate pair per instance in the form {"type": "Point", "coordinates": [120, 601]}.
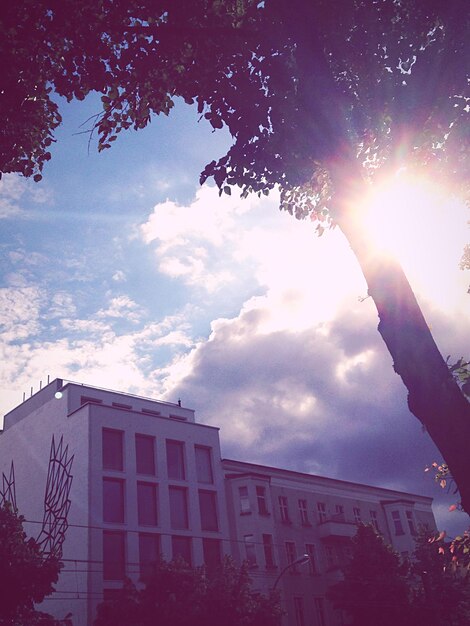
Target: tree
{"type": "Point", "coordinates": [26, 577]}
{"type": "Point", "coordinates": [175, 595]}
{"type": "Point", "coordinates": [374, 590]}
{"type": "Point", "coordinates": [441, 592]}
{"type": "Point", "coordinates": [322, 99]}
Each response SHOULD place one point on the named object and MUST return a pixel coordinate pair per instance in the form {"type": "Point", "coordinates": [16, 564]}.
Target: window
{"type": "Point", "coordinates": [312, 564]}
{"type": "Point", "coordinates": [330, 557]}
{"type": "Point", "coordinates": [175, 459]}
{"type": "Point", "coordinates": [250, 550]}
{"type": "Point", "coordinates": [113, 457]}
{"type": "Point", "coordinates": [149, 553]}
{"type": "Point", "coordinates": [397, 523]}
{"type": "Point", "coordinates": [321, 510]}
{"type": "Point", "coordinates": [114, 548]}
{"type": "Point", "coordinates": [181, 547]}
{"type": "Point", "coordinates": [320, 611]}
{"type": "Point", "coordinates": [145, 454]}
{"type": "Point", "coordinates": [303, 512]}
{"type": "Point", "coordinates": [178, 508]}
{"type": "Point", "coordinates": [261, 499]}
{"type": "Point", "coordinates": [374, 520]}
{"type": "Point", "coordinates": [90, 400]}
{"type": "Point", "coordinates": [357, 514]}
{"type": "Point", "coordinates": [284, 509]}
{"type": "Point", "coordinates": [204, 464]}
{"type": "Point", "coordinates": [268, 551]}
{"type": "Point", "coordinates": [339, 513]}
{"type": "Point", "coordinates": [291, 553]}
{"type": "Point", "coordinates": [208, 510]}
{"type": "Point", "coordinates": [211, 550]}
{"type": "Point", "coordinates": [411, 524]}
{"type": "Point", "coordinates": [119, 405]}
{"type": "Point", "coordinates": [113, 500]}
{"type": "Point", "coordinates": [299, 611]}
{"type": "Point", "coordinates": [244, 500]}
{"type": "Point", "coordinates": [147, 504]}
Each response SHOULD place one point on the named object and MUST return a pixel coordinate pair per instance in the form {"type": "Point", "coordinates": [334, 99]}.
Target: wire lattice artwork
{"type": "Point", "coordinates": [56, 500]}
{"type": "Point", "coordinates": [8, 492]}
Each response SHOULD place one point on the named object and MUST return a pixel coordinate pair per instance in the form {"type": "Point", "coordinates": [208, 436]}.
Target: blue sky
{"type": "Point", "coordinates": [120, 271]}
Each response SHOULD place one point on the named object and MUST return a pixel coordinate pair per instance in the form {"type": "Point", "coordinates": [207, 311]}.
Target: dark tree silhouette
{"type": "Point", "coordinates": [323, 99]}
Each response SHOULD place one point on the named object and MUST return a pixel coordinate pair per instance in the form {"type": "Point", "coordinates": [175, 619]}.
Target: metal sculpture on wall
{"type": "Point", "coordinates": [8, 493]}
{"type": "Point", "coordinates": [56, 500]}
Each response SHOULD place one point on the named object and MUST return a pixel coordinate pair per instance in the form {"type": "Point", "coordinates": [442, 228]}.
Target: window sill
{"type": "Point", "coordinates": [245, 512]}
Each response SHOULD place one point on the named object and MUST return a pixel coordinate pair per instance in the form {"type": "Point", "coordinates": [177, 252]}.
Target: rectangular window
{"type": "Point", "coordinates": [114, 560]}
{"type": "Point", "coordinates": [113, 500]}
{"type": "Point", "coordinates": [204, 464]}
{"type": "Point", "coordinates": [181, 547]}
{"type": "Point", "coordinates": [299, 611]}
{"type": "Point", "coordinates": [330, 557]}
{"type": "Point", "coordinates": [178, 508]}
{"type": "Point", "coordinates": [268, 551]}
{"type": "Point", "coordinates": [261, 499]}
{"type": "Point", "coordinates": [90, 400]}
{"type": "Point", "coordinates": [250, 550]}
{"type": "Point", "coordinates": [147, 504]}
{"type": "Point", "coordinates": [113, 456]}
{"type": "Point", "coordinates": [321, 510]}
{"type": "Point", "coordinates": [320, 611]}
{"type": "Point", "coordinates": [244, 500]}
{"type": "Point", "coordinates": [291, 554]}
{"type": "Point", "coordinates": [212, 556]}
{"type": "Point", "coordinates": [374, 521]}
{"type": "Point", "coordinates": [339, 513]}
{"type": "Point", "coordinates": [303, 512]}
{"type": "Point", "coordinates": [310, 550]}
{"type": "Point", "coordinates": [145, 454]}
{"type": "Point", "coordinates": [397, 523]}
{"type": "Point", "coordinates": [357, 514]}
{"type": "Point", "coordinates": [284, 509]}
{"type": "Point", "coordinates": [208, 510]}
{"type": "Point", "coordinates": [149, 553]}
{"type": "Point", "coordinates": [411, 524]}
{"type": "Point", "coordinates": [175, 459]}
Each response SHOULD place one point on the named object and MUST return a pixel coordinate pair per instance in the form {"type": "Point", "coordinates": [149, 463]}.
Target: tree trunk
{"type": "Point", "coordinates": [434, 397]}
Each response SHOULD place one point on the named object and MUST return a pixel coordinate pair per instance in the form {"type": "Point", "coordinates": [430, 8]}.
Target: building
{"type": "Point", "coordinates": [147, 480]}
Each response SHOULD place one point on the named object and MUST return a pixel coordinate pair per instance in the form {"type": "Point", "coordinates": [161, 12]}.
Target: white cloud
{"type": "Point", "coordinates": [119, 276]}
{"type": "Point", "coordinates": [16, 191]}
{"type": "Point", "coordinates": [122, 307]}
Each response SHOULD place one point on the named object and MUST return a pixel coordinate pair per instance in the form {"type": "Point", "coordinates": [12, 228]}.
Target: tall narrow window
{"type": "Point", "coordinates": [320, 611]}
{"type": "Point", "coordinates": [330, 556]}
{"type": "Point", "coordinates": [261, 499]}
{"type": "Point", "coordinates": [175, 459]}
{"type": "Point", "coordinates": [113, 500]}
{"type": "Point", "coordinates": [147, 504]}
{"type": "Point", "coordinates": [114, 560]}
{"type": "Point", "coordinates": [113, 455]}
{"type": "Point", "coordinates": [149, 553]}
{"type": "Point", "coordinates": [178, 508]}
{"type": "Point", "coordinates": [204, 464]}
{"type": "Point", "coordinates": [284, 509]}
{"type": "Point", "coordinates": [339, 513]}
{"type": "Point", "coordinates": [291, 554]}
{"type": "Point", "coordinates": [310, 550]}
{"type": "Point", "coordinates": [250, 550]}
{"type": "Point", "coordinates": [212, 556]}
{"type": "Point", "coordinates": [374, 521]}
{"type": "Point", "coordinates": [411, 524]}
{"type": "Point", "coordinates": [357, 514]}
{"type": "Point", "coordinates": [321, 510]}
{"type": "Point", "coordinates": [303, 512]}
{"type": "Point", "coordinates": [299, 611]}
{"type": "Point", "coordinates": [397, 523]}
{"type": "Point", "coordinates": [181, 547]}
{"type": "Point", "coordinates": [268, 551]}
{"type": "Point", "coordinates": [208, 510]}
{"type": "Point", "coordinates": [145, 454]}
{"type": "Point", "coordinates": [244, 500]}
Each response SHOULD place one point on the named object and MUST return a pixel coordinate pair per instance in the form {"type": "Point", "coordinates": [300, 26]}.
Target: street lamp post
{"type": "Point", "coordinates": [305, 558]}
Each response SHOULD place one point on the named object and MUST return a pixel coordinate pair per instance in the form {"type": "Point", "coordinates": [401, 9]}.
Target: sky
{"type": "Point", "coordinates": [119, 271]}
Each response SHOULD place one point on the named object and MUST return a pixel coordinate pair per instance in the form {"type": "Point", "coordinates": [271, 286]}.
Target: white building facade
{"type": "Point", "coordinates": [149, 481]}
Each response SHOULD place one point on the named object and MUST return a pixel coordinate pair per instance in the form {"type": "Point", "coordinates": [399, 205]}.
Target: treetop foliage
{"type": "Point", "coordinates": [300, 86]}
